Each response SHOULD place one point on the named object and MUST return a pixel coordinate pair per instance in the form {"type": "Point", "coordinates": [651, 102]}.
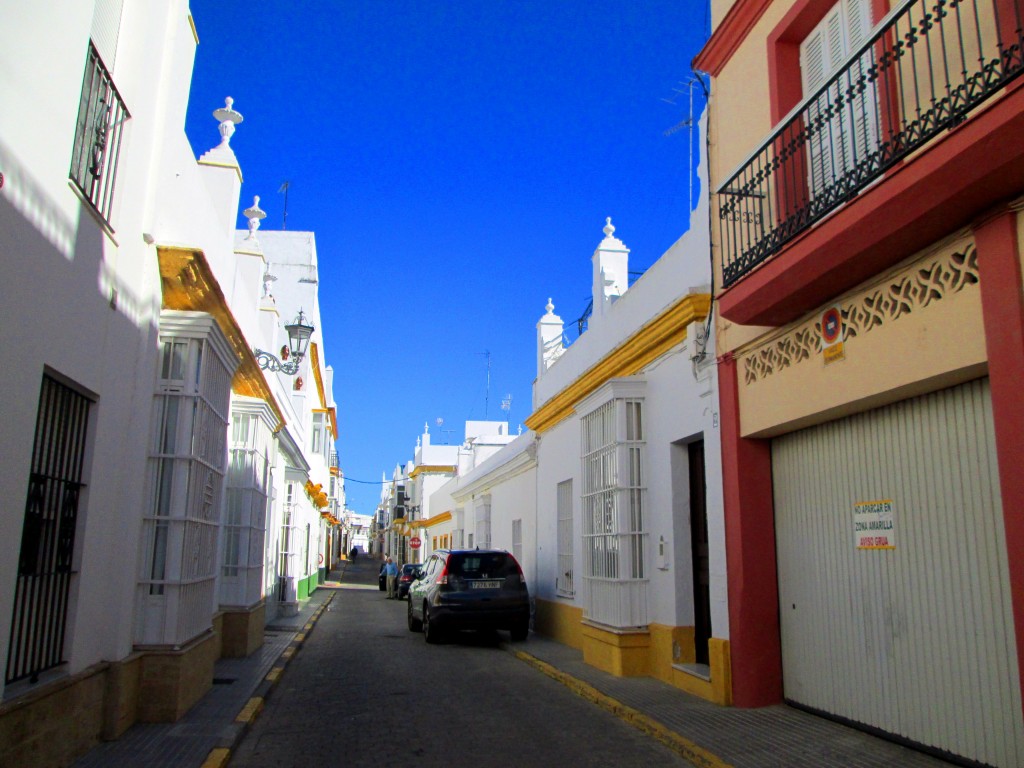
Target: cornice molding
{"type": "Point", "coordinates": [523, 462]}
{"type": "Point", "coordinates": [314, 363]}
{"type": "Point", "coordinates": [442, 468]}
{"type": "Point", "coordinates": [648, 343]}
{"type": "Point", "coordinates": [729, 35]}
{"type": "Point", "coordinates": [188, 284]}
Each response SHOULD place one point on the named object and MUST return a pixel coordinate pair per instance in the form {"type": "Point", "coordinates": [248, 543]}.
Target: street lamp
{"type": "Point", "coordinates": [298, 341]}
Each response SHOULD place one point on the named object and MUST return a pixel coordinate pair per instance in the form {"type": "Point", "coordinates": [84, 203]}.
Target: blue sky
{"type": "Point", "coordinates": [456, 161]}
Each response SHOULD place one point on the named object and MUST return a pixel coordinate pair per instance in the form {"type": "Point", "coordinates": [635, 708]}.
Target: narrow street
{"type": "Point", "coordinates": [365, 691]}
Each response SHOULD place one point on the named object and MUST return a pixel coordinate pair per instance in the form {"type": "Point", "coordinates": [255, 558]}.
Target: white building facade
{"type": "Point", "coordinates": [149, 463]}
{"type": "Point", "coordinates": [630, 537]}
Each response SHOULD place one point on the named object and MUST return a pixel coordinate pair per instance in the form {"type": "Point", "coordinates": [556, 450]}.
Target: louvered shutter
{"type": "Point", "coordinates": [864, 107]}
{"type": "Point", "coordinates": [841, 133]}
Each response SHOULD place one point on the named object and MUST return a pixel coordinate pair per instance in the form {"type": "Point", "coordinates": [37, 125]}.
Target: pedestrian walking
{"type": "Point", "coordinates": [391, 573]}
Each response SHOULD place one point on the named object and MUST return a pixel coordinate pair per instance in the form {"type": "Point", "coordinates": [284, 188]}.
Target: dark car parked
{"type": "Point", "coordinates": [406, 576]}
{"type": "Point", "coordinates": [469, 589]}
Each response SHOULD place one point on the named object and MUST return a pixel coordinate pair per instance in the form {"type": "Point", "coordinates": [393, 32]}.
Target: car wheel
{"type": "Point", "coordinates": [520, 632]}
{"type": "Point", "coordinates": [415, 625]}
{"type": "Point", "coordinates": [431, 632]}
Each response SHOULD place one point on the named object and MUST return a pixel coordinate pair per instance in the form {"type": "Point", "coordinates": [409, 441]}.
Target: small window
{"type": "Point", "coordinates": [97, 149]}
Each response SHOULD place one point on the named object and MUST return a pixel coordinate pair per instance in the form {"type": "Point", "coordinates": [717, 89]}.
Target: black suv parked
{"type": "Point", "coordinates": [469, 589]}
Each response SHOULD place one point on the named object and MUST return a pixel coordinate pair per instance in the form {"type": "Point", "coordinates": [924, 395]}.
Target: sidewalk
{"type": "Point", "coordinates": [204, 736]}
{"type": "Point", "coordinates": [712, 736]}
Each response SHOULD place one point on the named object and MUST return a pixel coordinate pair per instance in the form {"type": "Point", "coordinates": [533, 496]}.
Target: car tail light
{"type": "Point", "coordinates": [519, 568]}
{"type": "Point", "coordinates": [442, 577]}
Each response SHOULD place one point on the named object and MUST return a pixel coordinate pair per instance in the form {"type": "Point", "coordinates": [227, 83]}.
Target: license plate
{"type": "Point", "coordinates": [486, 584]}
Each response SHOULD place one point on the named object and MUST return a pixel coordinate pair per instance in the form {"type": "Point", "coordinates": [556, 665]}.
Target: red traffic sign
{"type": "Point", "coordinates": [831, 325]}
{"type": "Point", "coordinates": [415, 542]}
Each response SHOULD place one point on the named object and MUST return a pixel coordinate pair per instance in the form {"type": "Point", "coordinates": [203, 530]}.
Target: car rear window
{"type": "Point", "coordinates": [482, 566]}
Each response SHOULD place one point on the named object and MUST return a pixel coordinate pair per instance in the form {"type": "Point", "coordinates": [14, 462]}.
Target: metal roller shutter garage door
{"type": "Point", "coordinates": [916, 640]}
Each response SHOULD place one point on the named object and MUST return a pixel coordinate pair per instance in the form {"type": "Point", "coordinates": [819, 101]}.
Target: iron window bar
{"type": "Point", "coordinates": [39, 619]}
{"type": "Point", "coordinates": [98, 133]}
{"type": "Point", "coordinates": [923, 70]}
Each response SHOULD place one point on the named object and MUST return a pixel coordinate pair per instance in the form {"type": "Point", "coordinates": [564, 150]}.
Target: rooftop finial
{"type": "Point", "coordinates": [254, 214]}
{"type": "Point", "coordinates": [549, 306]}
{"type": "Point", "coordinates": [227, 117]}
{"type": "Point", "coordinates": [609, 230]}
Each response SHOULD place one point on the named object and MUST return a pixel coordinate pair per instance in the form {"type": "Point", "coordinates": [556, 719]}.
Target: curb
{"type": "Point", "coordinates": [682, 746]}
{"type": "Point", "coordinates": [220, 755]}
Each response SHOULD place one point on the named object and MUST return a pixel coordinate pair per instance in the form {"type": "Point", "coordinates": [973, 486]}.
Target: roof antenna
{"type": "Point", "coordinates": [284, 188]}
{"type": "Point", "coordinates": [487, 395]}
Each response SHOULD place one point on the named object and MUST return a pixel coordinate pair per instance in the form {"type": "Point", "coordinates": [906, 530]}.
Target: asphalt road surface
{"type": "Point", "coordinates": [365, 691]}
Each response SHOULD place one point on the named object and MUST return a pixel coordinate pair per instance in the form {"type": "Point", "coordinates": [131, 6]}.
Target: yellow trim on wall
{"type": "Point", "coordinates": [623, 653]}
{"type": "Point", "coordinates": [446, 468]}
{"type": "Point", "coordinates": [560, 621]}
{"type": "Point", "coordinates": [188, 284]}
{"type": "Point", "coordinates": [314, 360]}
{"type": "Point", "coordinates": [444, 517]}
{"type": "Point", "coordinates": [649, 342]}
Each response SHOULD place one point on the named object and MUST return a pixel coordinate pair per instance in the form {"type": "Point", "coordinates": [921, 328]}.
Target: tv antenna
{"type": "Point", "coordinates": [440, 423]}
{"type": "Point", "coordinates": [506, 406]}
{"type": "Point", "coordinates": [685, 89]}
{"type": "Point", "coordinates": [284, 189]}
{"type": "Point", "coordinates": [487, 395]}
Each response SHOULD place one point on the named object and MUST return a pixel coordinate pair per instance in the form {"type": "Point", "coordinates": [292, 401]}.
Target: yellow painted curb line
{"type": "Point", "coordinates": [274, 674]}
{"type": "Point", "coordinates": [251, 710]}
{"type": "Point", "coordinates": [300, 637]}
{"type": "Point", "coordinates": [217, 758]}
{"type": "Point", "coordinates": [683, 747]}
{"type": "Point", "coordinates": [288, 652]}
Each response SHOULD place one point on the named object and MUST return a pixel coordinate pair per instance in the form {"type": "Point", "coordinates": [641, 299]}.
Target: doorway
{"type": "Point", "coordinates": [699, 553]}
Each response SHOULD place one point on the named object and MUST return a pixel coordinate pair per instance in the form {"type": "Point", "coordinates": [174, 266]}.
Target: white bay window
{"type": "Point", "coordinates": [613, 497]}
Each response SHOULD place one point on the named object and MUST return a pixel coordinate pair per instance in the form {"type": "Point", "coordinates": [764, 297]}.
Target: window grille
{"type": "Point", "coordinates": [187, 468]}
{"type": "Point", "coordinates": [287, 556]}
{"type": "Point", "coordinates": [245, 520]}
{"type": "Point", "coordinates": [517, 540]}
{"type": "Point", "coordinates": [613, 513]}
{"type": "Point", "coordinates": [98, 133]}
{"type": "Point", "coordinates": [317, 439]}
{"type": "Point", "coordinates": [564, 581]}
{"type": "Point", "coordinates": [39, 620]}
{"type": "Point", "coordinates": [483, 522]}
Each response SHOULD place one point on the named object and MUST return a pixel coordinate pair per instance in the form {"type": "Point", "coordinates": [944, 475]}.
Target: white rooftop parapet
{"type": "Point", "coordinates": [550, 344]}
{"type": "Point", "coordinates": [611, 271]}
{"type": "Point", "coordinates": [254, 214]}
{"type": "Point", "coordinates": [227, 119]}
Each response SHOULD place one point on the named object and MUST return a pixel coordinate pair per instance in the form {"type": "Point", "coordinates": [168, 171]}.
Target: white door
{"type": "Point", "coordinates": [916, 640]}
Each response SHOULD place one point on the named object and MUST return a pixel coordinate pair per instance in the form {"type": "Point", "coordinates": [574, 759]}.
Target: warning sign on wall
{"type": "Point", "coordinates": [832, 335]}
{"type": "Point", "coordinates": [873, 525]}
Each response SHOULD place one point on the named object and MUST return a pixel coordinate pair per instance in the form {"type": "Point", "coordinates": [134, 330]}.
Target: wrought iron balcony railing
{"type": "Point", "coordinates": [923, 70]}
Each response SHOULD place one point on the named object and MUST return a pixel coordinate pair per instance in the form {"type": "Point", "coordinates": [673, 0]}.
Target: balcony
{"type": "Point", "coordinates": [807, 217]}
{"type": "Point", "coordinates": [333, 463]}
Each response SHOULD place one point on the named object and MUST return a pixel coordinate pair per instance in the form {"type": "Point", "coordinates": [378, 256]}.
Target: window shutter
{"type": "Point", "coordinates": [813, 72]}
{"type": "Point", "coordinates": [844, 139]}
